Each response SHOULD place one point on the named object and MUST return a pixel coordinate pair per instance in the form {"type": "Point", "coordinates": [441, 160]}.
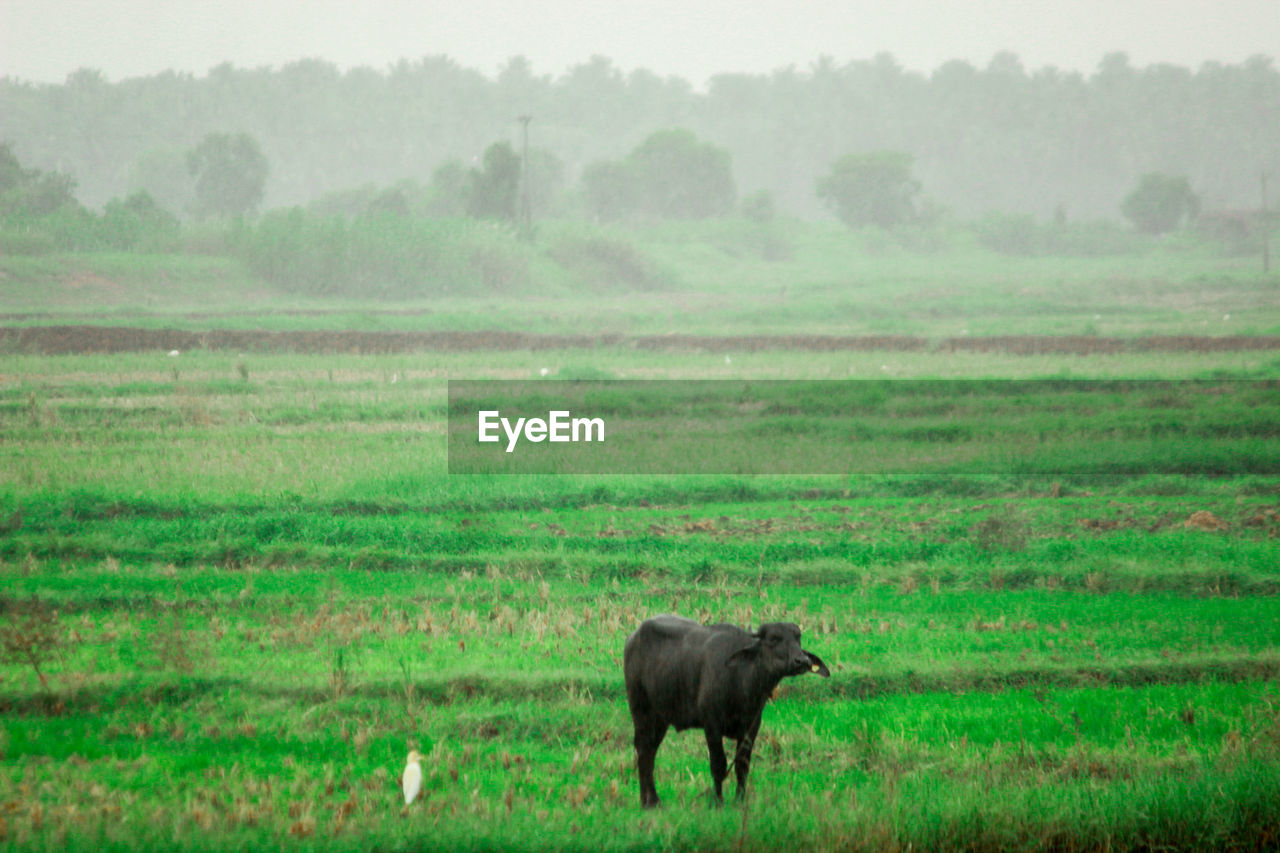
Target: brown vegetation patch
{"type": "Point", "coordinates": [1268, 519]}
{"type": "Point", "coordinates": [1094, 344]}
{"type": "Point", "coordinates": [1204, 520]}
{"type": "Point", "coordinates": [1104, 524]}
{"type": "Point", "coordinates": [112, 339]}
{"type": "Point", "coordinates": [81, 283]}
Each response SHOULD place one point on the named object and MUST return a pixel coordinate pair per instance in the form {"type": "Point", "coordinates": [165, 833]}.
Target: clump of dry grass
{"type": "Point", "coordinates": [30, 634]}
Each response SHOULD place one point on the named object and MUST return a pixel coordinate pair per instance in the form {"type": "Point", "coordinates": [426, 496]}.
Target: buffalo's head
{"type": "Point", "coordinates": [777, 648]}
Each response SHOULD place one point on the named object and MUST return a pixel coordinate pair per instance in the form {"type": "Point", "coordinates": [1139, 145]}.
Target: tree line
{"type": "Point", "coordinates": [670, 175]}
{"type": "Point", "coordinates": [978, 139]}
{"type": "Point", "coordinates": [410, 239]}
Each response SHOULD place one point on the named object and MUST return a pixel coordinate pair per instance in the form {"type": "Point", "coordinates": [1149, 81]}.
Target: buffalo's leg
{"type": "Point", "coordinates": [719, 764]}
{"type": "Point", "coordinates": [648, 738]}
{"type": "Point", "coordinates": [742, 757]}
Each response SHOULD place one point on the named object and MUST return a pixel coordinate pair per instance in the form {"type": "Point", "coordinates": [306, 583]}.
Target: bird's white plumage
{"type": "Point", "coordinates": [412, 777]}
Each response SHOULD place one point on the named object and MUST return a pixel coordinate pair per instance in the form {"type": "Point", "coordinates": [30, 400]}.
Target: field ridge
{"type": "Point", "coordinates": [82, 339]}
{"type": "Point", "coordinates": [463, 687]}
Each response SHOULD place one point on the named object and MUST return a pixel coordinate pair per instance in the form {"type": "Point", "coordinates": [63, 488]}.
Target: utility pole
{"type": "Point", "coordinates": [526, 206]}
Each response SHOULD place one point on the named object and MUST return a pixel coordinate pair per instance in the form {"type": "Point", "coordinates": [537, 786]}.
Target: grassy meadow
{"type": "Point", "coordinates": [714, 277]}
{"type": "Point", "coordinates": [239, 586]}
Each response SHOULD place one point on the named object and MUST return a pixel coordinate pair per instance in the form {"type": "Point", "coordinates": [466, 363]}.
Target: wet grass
{"type": "Point", "coordinates": [231, 600]}
{"type": "Point", "coordinates": [714, 277]}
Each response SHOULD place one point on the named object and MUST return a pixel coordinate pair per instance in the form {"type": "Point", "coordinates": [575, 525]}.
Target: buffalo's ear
{"type": "Point", "coordinates": [745, 655]}
{"type": "Point", "coordinates": [817, 666]}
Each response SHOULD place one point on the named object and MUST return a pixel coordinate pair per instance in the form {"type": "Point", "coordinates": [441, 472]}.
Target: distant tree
{"type": "Point", "coordinates": [139, 223]}
{"type": "Point", "coordinates": [12, 174]}
{"type": "Point", "coordinates": [162, 173]}
{"type": "Point", "coordinates": [546, 179]}
{"type": "Point", "coordinates": [493, 188]}
{"type": "Point", "coordinates": [996, 135]}
{"type": "Point", "coordinates": [31, 192]}
{"type": "Point", "coordinates": [678, 177]}
{"type": "Point", "coordinates": [44, 193]}
{"type": "Point", "coordinates": [759, 206]}
{"type": "Point", "coordinates": [671, 175]}
{"type": "Point", "coordinates": [874, 188]}
{"type": "Point", "coordinates": [230, 172]}
{"type": "Point", "coordinates": [447, 192]}
{"type": "Point", "coordinates": [349, 203]}
{"type": "Point", "coordinates": [609, 189]}
{"type": "Point", "coordinates": [1160, 203]}
{"type": "Point", "coordinates": [389, 202]}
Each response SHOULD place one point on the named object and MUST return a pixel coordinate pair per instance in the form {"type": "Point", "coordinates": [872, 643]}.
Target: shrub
{"type": "Point", "coordinates": [25, 241]}
{"type": "Point", "coordinates": [873, 188]}
{"type": "Point", "coordinates": [380, 254]}
{"type": "Point", "coordinates": [759, 207]}
{"type": "Point", "coordinates": [1020, 234]}
{"type": "Point", "coordinates": [30, 635]}
{"type": "Point", "coordinates": [230, 172]}
{"type": "Point", "coordinates": [604, 262]}
{"type": "Point", "coordinates": [1160, 203]}
{"type": "Point", "coordinates": [138, 223]}
{"type": "Point", "coordinates": [1010, 233]}
{"type": "Point", "coordinates": [671, 175]}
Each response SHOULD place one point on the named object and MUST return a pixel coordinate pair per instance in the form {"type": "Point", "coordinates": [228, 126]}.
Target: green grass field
{"type": "Point", "coordinates": [714, 277]}
{"type": "Point", "coordinates": [238, 587]}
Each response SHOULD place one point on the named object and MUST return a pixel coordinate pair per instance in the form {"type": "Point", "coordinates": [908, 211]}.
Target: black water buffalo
{"type": "Point", "coordinates": [711, 677]}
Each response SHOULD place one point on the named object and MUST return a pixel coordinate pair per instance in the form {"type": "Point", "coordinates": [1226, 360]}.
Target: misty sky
{"type": "Point", "coordinates": [44, 40]}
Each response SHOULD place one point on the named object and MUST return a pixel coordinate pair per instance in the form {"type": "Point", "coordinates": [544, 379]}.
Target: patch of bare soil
{"type": "Point", "coordinates": [87, 282]}
{"type": "Point", "coordinates": [114, 339]}
{"type": "Point", "coordinates": [1092, 344]}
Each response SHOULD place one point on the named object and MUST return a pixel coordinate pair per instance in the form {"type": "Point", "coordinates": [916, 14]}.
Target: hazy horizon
{"type": "Point", "coordinates": [692, 39]}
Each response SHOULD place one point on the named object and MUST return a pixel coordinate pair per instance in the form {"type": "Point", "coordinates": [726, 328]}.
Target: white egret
{"type": "Point", "coordinates": [412, 777]}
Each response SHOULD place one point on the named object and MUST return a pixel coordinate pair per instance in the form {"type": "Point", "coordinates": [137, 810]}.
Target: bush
{"type": "Point", "coordinates": [759, 207]}
{"type": "Point", "coordinates": [230, 172]}
{"type": "Point", "coordinates": [135, 224]}
{"type": "Point", "coordinates": [138, 223]}
{"type": "Point", "coordinates": [209, 238]}
{"type": "Point", "coordinates": [380, 254]}
{"type": "Point", "coordinates": [1020, 234]}
{"type": "Point", "coordinates": [671, 175]}
{"type": "Point", "coordinates": [606, 263]}
{"type": "Point", "coordinates": [609, 190]}
{"type": "Point", "coordinates": [682, 178]}
{"type": "Point", "coordinates": [1160, 203]}
{"type": "Point", "coordinates": [30, 635]}
{"type": "Point", "coordinates": [494, 267]}
{"type": "Point", "coordinates": [1235, 233]}
{"type": "Point", "coordinates": [23, 241]}
{"type": "Point", "coordinates": [72, 229]}
{"type": "Point", "coordinates": [492, 190]}
{"type": "Point", "coordinates": [31, 193]}
{"type": "Point", "coordinates": [872, 188]}
{"type": "Point", "coordinates": [1010, 233]}
{"type": "Point", "coordinates": [1092, 239]}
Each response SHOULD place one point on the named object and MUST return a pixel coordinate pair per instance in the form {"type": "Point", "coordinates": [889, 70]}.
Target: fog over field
{"type": "Point", "coordinates": [694, 39]}
{"type": "Point", "coordinates": [965, 326]}
{"type": "Point", "coordinates": [1032, 107]}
